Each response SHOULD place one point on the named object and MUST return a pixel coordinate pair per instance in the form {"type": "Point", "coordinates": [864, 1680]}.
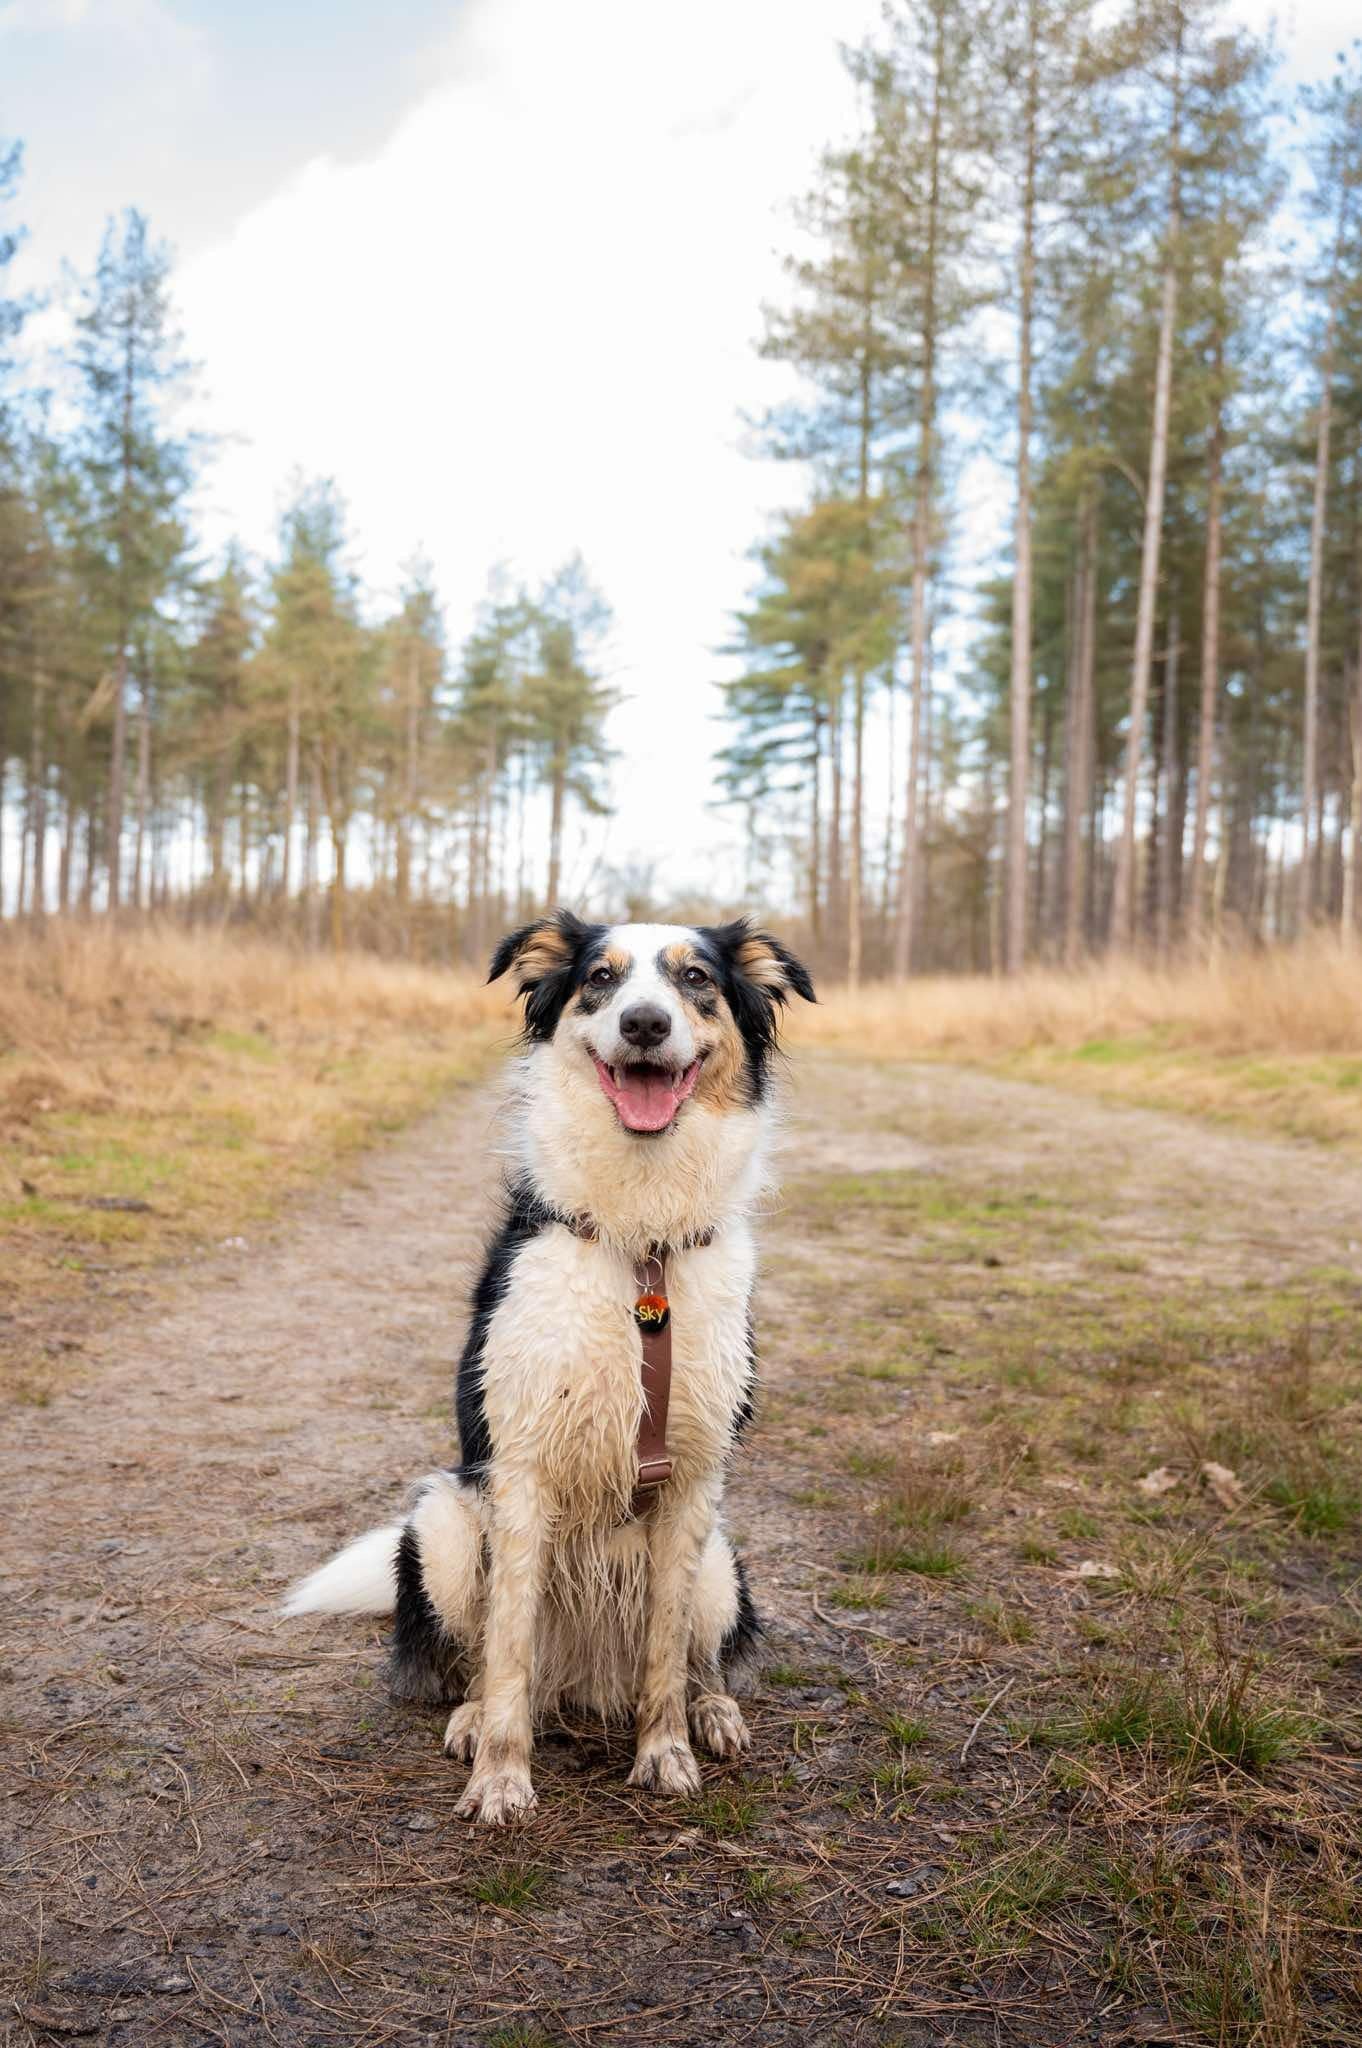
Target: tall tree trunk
{"type": "Point", "coordinates": [37, 782]}
{"type": "Point", "coordinates": [25, 834]}
{"type": "Point", "coordinates": [1123, 891]}
{"type": "Point", "coordinates": [219, 776]}
{"type": "Point", "coordinates": [117, 759]}
{"type": "Point", "coordinates": [557, 796]}
{"type": "Point", "coordinates": [1047, 737]}
{"type": "Point", "coordinates": [87, 878]}
{"type": "Point", "coordinates": [291, 752]}
{"type": "Point", "coordinates": [143, 794]}
{"type": "Point", "coordinates": [410, 731]}
{"type": "Point", "coordinates": [1314, 605]}
{"type": "Point", "coordinates": [243, 838]}
{"type": "Point", "coordinates": [922, 526]}
{"type": "Point", "coordinates": [1078, 773]}
{"type": "Point", "coordinates": [118, 754]}
{"type": "Point", "coordinates": [339, 841]}
{"type": "Point", "coordinates": [338, 821]}
{"type": "Point", "coordinates": [66, 858]}
{"type": "Point", "coordinates": [1014, 948]}
{"type": "Point", "coordinates": [836, 900]}
{"type": "Point", "coordinates": [816, 829]}
{"type": "Point", "coordinates": [1210, 652]}
{"type": "Point", "coordinates": [1168, 809]}
{"type": "Point", "coordinates": [923, 893]}
{"type": "Point", "coordinates": [856, 879]}
{"type": "Point", "coordinates": [486, 810]}
{"type": "Point", "coordinates": [891, 751]}
{"type": "Point", "coordinates": [3, 794]}
{"type": "Point", "coordinates": [312, 898]}
{"type": "Point", "coordinates": [522, 872]}
{"type": "Point", "coordinates": [1352, 873]}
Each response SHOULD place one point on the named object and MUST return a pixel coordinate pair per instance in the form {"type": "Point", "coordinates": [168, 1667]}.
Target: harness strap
{"type": "Point", "coordinates": [652, 1314]}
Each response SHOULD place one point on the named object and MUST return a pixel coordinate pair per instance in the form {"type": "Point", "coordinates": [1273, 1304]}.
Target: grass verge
{"type": "Point", "coordinates": [160, 1090]}
{"type": "Point", "coordinates": [1270, 1039]}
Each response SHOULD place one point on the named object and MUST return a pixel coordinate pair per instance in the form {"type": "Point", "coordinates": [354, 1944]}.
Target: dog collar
{"type": "Point", "coordinates": [588, 1230]}
{"type": "Point", "coordinates": [653, 1316]}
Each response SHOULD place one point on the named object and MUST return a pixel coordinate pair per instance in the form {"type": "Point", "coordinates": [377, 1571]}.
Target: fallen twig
{"type": "Point", "coordinates": [1002, 1690]}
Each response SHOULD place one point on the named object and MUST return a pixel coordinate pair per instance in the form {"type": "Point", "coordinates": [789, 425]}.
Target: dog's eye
{"type": "Point", "coordinates": [695, 977]}
{"type": "Point", "coordinates": [601, 977]}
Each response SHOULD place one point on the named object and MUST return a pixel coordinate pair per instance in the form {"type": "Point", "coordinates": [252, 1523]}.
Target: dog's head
{"type": "Point", "coordinates": [664, 1013]}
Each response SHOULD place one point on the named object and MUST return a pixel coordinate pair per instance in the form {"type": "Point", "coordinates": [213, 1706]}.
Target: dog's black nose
{"type": "Point", "coordinates": [645, 1025]}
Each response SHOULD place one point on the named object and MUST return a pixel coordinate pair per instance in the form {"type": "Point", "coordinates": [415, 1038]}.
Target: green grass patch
{"type": "Point", "coordinates": [858, 1595]}
{"type": "Point", "coordinates": [926, 1560]}
{"type": "Point", "coordinates": [725, 1815]}
{"type": "Point", "coordinates": [906, 1730]}
{"type": "Point", "coordinates": [514, 1888]}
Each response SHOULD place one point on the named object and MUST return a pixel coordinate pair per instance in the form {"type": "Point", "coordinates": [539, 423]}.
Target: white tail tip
{"type": "Point", "coordinates": [361, 1579]}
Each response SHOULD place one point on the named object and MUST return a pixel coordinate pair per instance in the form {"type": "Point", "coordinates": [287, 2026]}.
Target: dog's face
{"type": "Point", "coordinates": [664, 1014]}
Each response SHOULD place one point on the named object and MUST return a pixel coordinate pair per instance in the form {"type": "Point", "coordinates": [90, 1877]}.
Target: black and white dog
{"type": "Point", "coordinates": [641, 1110]}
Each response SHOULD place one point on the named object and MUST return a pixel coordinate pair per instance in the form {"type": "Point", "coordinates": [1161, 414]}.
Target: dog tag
{"type": "Point", "coordinates": [652, 1312]}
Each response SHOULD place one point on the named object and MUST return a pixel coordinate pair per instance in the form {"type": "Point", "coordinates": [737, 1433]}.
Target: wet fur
{"type": "Point", "coordinates": [519, 1580]}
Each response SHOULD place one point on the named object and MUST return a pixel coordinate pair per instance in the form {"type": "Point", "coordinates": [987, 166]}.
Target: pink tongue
{"type": "Point", "coordinates": [646, 1100]}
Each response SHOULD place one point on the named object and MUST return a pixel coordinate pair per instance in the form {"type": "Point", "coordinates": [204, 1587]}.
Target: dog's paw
{"type": "Point", "coordinates": [667, 1766]}
{"type": "Point", "coordinates": [495, 1796]}
{"type": "Point", "coordinates": [716, 1721]}
{"type": "Point", "coordinates": [463, 1730]}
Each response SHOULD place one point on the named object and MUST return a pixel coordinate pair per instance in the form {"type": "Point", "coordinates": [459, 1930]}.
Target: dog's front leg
{"type": "Point", "coordinates": [679, 1524]}
{"type": "Point", "coordinates": [499, 1786]}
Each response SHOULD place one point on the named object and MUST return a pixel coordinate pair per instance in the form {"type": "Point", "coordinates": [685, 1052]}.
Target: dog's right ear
{"type": "Point", "coordinates": [534, 950]}
{"type": "Point", "coordinates": [544, 955]}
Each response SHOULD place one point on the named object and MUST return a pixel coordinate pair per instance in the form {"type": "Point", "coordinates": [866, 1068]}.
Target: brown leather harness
{"type": "Point", "coordinates": [652, 1314]}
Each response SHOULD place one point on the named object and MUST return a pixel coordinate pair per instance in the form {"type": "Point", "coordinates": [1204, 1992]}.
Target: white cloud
{"type": "Point", "coordinates": [526, 326]}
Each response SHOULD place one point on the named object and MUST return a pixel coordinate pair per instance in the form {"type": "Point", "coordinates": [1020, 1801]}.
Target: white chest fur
{"type": "Point", "coordinates": [562, 1384]}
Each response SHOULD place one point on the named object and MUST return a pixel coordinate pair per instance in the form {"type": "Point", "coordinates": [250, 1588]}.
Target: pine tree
{"type": "Point", "coordinates": [134, 469]}
{"type": "Point", "coordinates": [827, 607]}
{"type": "Point", "coordinates": [1232, 185]}
{"type": "Point", "coordinates": [414, 665]}
{"type": "Point", "coordinates": [1051, 69]}
{"type": "Point", "coordinates": [926, 92]}
{"type": "Point", "coordinates": [214, 708]}
{"type": "Point", "coordinates": [567, 703]}
{"type": "Point", "coordinates": [14, 517]}
{"type": "Point", "coordinates": [314, 680]}
{"type": "Point", "coordinates": [1169, 32]}
{"type": "Point", "coordinates": [495, 727]}
{"type": "Point", "coordinates": [846, 332]}
{"type": "Point", "coordinates": [1337, 202]}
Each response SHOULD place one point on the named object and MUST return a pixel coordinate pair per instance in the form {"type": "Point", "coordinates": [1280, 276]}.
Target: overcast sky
{"type": "Point", "coordinates": [497, 267]}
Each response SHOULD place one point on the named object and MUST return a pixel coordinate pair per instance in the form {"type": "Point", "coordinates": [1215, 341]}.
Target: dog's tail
{"type": "Point", "coordinates": [361, 1579]}
{"type": "Point", "coordinates": [386, 1571]}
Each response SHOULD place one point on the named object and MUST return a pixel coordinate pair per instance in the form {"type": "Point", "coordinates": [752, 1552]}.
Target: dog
{"type": "Point", "coordinates": [550, 1567]}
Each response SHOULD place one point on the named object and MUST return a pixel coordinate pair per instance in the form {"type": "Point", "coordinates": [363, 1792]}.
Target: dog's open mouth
{"type": "Point", "coordinates": [646, 1098]}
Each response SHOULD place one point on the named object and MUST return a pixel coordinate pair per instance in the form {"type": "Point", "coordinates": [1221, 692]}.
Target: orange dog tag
{"type": "Point", "coordinates": [652, 1312]}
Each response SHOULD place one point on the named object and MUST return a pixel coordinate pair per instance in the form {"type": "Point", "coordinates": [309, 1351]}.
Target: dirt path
{"type": "Point", "coordinates": [216, 1827]}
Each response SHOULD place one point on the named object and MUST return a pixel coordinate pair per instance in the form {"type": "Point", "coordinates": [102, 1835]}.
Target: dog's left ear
{"type": "Point", "coordinates": [759, 958]}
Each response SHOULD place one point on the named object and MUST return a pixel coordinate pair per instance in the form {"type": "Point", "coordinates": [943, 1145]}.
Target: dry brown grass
{"type": "Point", "coordinates": [1305, 999]}
{"type": "Point", "coordinates": [1272, 1038]}
{"type": "Point", "coordinates": [74, 986]}
{"type": "Point", "coordinates": [160, 1088]}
